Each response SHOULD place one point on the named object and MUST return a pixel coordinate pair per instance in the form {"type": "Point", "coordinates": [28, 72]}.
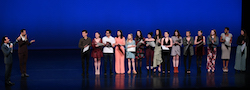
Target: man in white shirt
{"type": "Point", "coordinates": [108, 51]}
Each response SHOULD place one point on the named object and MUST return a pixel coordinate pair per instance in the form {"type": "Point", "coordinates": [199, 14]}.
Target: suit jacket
{"type": "Point", "coordinates": [23, 46]}
{"type": "Point", "coordinates": [191, 48]}
{"type": "Point", "coordinates": [7, 54]}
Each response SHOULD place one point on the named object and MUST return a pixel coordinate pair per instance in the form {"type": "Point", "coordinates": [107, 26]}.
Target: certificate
{"type": "Point", "coordinates": [131, 49]}
{"type": "Point", "coordinates": [100, 44]}
{"type": "Point", "coordinates": [243, 47]}
{"type": "Point", "coordinates": [85, 49]}
{"type": "Point", "coordinates": [151, 43]}
{"type": "Point", "coordinates": [164, 48]}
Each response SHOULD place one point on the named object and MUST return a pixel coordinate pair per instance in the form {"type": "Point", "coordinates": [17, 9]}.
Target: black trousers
{"type": "Point", "coordinates": [23, 61]}
{"type": "Point", "coordinates": [165, 57]}
{"type": "Point", "coordinates": [189, 60]}
{"type": "Point", "coordinates": [108, 57]}
{"type": "Point", "coordinates": [85, 57]}
{"type": "Point", "coordinates": [8, 68]}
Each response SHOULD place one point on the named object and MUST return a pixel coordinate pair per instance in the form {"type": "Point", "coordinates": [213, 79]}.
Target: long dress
{"type": "Point", "coordinates": [240, 58]}
{"type": "Point", "coordinates": [128, 53]}
{"type": "Point", "coordinates": [119, 55]}
{"type": "Point", "coordinates": [97, 51]}
{"type": "Point", "coordinates": [157, 54]}
{"type": "Point", "coordinates": [226, 46]}
{"type": "Point", "coordinates": [176, 49]}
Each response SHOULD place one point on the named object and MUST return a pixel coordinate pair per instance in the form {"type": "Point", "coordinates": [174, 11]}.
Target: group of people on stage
{"type": "Point", "coordinates": [159, 49]}
{"type": "Point", "coordinates": [7, 49]}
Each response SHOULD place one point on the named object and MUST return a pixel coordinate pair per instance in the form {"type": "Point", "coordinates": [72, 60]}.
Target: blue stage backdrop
{"type": "Point", "coordinates": [57, 24]}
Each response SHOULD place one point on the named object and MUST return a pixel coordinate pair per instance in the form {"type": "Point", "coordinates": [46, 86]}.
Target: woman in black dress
{"type": "Point", "coordinates": [199, 41]}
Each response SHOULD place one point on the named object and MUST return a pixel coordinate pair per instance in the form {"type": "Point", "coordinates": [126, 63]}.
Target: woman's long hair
{"type": "Point", "coordinates": [121, 36]}
{"type": "Point", "coordinates": [245, 33]}
{"type": "Point", "coordinates": [160, 35]}
{"type": "Point", "coordinates": [179, 35]}
{"type": "Point", "coordinates": [138, 37]}
{"type": "Point", "coordinates": [128, 38]}
{"type": "Point", "coordinates": [210, 38]}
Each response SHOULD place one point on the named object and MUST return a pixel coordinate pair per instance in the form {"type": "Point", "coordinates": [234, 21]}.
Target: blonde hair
{"type": "Point", "coordinates": [131, 37]}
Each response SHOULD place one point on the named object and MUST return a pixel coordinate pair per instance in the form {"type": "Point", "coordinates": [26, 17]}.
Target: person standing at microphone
{"type": "Point", "coordinates": [23, 44]}
{"type": "Point", "coordinates": [7, 49]}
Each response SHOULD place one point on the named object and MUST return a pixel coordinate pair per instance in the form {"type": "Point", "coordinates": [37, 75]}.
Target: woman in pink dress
{"type": "Point", "coordinates": [97, 52]}
{"type": "Point", "coordinates": [119, 53]}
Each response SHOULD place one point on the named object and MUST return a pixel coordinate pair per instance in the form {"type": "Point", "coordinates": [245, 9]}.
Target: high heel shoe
{"type": "Point", "coordinates": [134, 72]}
{"type": "Point", "coordinates": [129, 72]}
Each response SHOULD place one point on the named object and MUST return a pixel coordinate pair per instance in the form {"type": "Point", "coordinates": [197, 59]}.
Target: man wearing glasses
{"type": "Point", "coordinates": [108, 51]}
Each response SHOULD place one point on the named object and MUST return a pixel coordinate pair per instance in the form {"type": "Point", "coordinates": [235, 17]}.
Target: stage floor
{"type": "Point", "coordinates": [61, 70]}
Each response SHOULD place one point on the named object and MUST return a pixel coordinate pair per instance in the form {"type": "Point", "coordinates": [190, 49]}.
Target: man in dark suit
{"type": "Point", "coordinates": [7, 49]}
{"type": "Point", "coordinates": [23, 51]}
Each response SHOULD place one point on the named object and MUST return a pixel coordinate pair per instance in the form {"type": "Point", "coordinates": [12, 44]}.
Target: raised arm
{"type": "Point", "coordinates": [152, 39]}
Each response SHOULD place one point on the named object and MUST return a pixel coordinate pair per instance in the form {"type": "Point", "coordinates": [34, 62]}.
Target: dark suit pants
{"type": "Point", "coordinates": [23, 61]}
{"type": "Point", "coordinates": [8, 68]}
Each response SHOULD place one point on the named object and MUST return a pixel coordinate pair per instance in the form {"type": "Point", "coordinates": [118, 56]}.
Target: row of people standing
{"type": "Point", "coordinates": [159, 49]}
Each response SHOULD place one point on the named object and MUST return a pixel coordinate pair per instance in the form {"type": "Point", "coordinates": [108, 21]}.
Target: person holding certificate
{"type": "Point", "coordinates": [241, 51]}
{"type": "Point", "coordinates": [150, 44]}
{"type": "Point", "coordinates": [108, 51]}
{"type": "Point", "coordinates": [176, 49]}
{"type": "Point", "coordinates": [226, 39]}
{"type": "Point", "coordinates": [130, 46]}
{"type": "Point", "coordinates": [157, 51]}
{"type": "Point", "coordinates": [97, 52]}
{"type": "Point", "coordinates": [166, 45]}
{"type": "Point", "coordinates": [140, 43]}
{"type": "Point", "coordinates": [119, 53]}
{"type": "Point", "coordinates": [84, 44]}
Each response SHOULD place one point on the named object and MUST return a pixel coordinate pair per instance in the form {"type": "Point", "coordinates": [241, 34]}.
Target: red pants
{"type": "Point", "coordinates": [149, 56]}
